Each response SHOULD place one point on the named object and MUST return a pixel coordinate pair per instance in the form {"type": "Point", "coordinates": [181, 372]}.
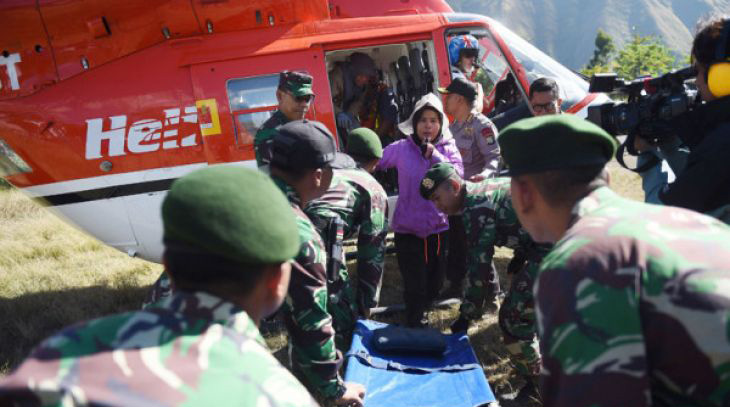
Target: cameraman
{"type": "Point", "coordinates": [700, 156]}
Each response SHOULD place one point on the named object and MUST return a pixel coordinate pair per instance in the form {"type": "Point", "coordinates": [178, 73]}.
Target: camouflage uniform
{"type": "Point", "coordinates": [517, 323]}
{"type": "Point", "coordinates": [480, 76]}
{"type": "Point", "coordinates": [315, 359]}
{"type": "Point", "coordinates": [490, 221]}
{"type": "Point", "coordinates": [264, 135]}
{"type": "Point", "coordinates": [193, 349]}
{"type": "Point", "coordinates": [356, 198]}
{"type": "Point", "coordinates": [633, 307]}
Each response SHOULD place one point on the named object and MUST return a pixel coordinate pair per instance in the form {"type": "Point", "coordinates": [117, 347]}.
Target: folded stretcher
{"type": "Point", "coordinates": [417, 379]}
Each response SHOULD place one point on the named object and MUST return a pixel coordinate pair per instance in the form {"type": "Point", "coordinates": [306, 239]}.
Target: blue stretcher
{"type": "Point", "coordinates": [455, 379]}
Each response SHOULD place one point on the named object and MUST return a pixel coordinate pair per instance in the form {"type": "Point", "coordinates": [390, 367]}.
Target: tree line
{"type": "Point", "coordinates": [642, 56]}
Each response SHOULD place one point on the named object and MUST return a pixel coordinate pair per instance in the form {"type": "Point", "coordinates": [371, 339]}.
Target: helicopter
{"type": "Point", "coordinates": [104, 104]}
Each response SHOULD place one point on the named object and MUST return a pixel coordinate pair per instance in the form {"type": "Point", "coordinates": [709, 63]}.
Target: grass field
{"type": "Point", "coordinates": [52, 275]}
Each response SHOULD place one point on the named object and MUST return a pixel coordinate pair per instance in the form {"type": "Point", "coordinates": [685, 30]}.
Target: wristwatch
{"type": "Point", "coordinates": [341, 389]}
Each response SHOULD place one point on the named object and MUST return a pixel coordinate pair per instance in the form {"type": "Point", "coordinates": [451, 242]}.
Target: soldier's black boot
{"type": "Point", "coordinates": [529, 395]}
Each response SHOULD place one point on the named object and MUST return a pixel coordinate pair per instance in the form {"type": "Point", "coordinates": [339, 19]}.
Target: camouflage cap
{"type": "Point", "coordinates": [232, 212]}
{"type": "Point", "coordinates": [365, 143]}
{"type": "Point", "coordinates": [302, 144]}
{"type": "Point", "coordinates": [435, 175]}
{"type": "Point", "coordinates": [554, 142]}
{"type": "Point", "coordinates": [298, 83]}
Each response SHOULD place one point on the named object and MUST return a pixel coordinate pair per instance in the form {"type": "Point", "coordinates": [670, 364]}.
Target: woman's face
{"type": "Point", "coordinates": [428, 126]}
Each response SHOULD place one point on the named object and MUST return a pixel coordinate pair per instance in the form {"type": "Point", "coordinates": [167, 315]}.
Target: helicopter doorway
{"type": "Point", "coordinates": [403, 72]}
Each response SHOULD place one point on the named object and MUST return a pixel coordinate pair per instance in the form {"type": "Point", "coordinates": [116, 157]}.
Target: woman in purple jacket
{"type": "Point", "coordinates": [420, 229]}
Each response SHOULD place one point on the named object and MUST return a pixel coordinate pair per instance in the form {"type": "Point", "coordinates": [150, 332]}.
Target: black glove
{"type": "Point", "coordinates": [517, 263]}
{"type": "Point", "coordinates": [461, 325]}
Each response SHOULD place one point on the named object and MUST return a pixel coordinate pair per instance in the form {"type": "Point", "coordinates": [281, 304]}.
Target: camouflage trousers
{"type": "Point", "coordinates": [342, 305]}
{"type": "Point", "coordinates": [517, 322]}
{"type": "Point", "coordinates": [341, 294]}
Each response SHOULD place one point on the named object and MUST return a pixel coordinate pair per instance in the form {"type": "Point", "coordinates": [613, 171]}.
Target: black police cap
{"type": "Point", "coordinates": [462, 86]}
{"type": "Point", "coordinates": [302, 144]}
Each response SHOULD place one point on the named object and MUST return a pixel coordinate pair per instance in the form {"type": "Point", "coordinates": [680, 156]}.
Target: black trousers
{"type": "Point", "coordinates": [422, 264]}
{"type": "Point", "coordinates": [456, 270]}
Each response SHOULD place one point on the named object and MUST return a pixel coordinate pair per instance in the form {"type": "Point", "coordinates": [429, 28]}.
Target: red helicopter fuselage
{"type": "Point", "coordinates": [104, 104]}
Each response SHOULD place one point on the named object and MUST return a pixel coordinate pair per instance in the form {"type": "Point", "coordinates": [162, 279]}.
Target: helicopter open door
{"type": "Point", "coordinates": [407, 69]}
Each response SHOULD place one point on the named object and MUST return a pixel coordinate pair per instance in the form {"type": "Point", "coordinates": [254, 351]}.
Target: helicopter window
{"type": "Point", "coordinates": [537, 64]}
{"type": "Point", "coordinates": [252, 102]}
{"type": "Point", "coordinates": [10, 162]}
{"type": "Point", "coordinates": [488, 68]}
{"type": "Point", "coordinates": [252, 93]}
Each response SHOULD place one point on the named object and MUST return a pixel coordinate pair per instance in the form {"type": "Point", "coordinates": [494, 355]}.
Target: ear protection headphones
{"type": "Point", "coordinates": [718, 76]}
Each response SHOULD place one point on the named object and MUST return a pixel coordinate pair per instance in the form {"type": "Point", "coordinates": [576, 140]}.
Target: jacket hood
{"type": "Point", "coordinates": [429, 99]}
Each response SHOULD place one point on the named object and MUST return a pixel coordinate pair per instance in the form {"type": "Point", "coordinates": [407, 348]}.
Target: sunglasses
{"type": "Point", "coordinates": [300, 99]}
{"type": "Point", "coordinates": [545, 107]}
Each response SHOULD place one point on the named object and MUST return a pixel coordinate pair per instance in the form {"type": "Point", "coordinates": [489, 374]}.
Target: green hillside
{"type": "Point", "coordinates": [566, 29]}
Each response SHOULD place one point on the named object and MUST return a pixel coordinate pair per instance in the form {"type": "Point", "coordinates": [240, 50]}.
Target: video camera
{"type": "Point", "coordinates": [651, 106]}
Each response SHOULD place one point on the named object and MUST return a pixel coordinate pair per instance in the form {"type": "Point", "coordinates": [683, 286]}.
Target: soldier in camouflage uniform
{"type": "Point", "coordinates": [302, 153]}
{"type": "Point", "coordinates": [490, 221]}
{"type": "Point", "coordinates": [202, 345]}
{"type": "Point", "coordinates": [294, 95]}
{"type": "Point", "coordinates": [358, 202]}
{"type": "Point", "coordinates": [476, 139]}
{"type": "Point", "coordinates": [632, 303]}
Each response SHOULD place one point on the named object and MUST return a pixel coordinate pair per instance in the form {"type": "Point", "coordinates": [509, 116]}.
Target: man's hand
{"type": "Point", "coordinates": [354, 395]}
{"type": "Point", "coordinates": [478, 178]}
{"type": "Point", "coordinates": [346, 121]}
{"type": "Point", "coordinates": [641, 145]}
{"type": "Point", "coordinates": [461, 325]}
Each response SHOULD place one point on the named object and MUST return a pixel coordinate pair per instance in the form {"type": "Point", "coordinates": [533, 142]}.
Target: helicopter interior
{"type": "Point", "coordinates": [406, 68]}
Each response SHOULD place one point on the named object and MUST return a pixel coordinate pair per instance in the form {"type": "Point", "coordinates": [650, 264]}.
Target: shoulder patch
{"type": "Point", "coordinates": [488, 133]}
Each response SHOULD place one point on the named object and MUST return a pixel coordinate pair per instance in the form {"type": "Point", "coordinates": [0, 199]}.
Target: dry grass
{"type": "Point", "coordinates": [52, 275]}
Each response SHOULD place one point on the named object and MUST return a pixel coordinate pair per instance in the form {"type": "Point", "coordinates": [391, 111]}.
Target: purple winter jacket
{"type": "Point", "coordinates": [413, 214]}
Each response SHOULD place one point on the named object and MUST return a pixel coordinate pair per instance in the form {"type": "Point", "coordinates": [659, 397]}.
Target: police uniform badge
{"type": "Point", "coordinates": [488, 134]}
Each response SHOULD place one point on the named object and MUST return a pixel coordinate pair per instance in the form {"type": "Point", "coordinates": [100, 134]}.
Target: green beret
{"type": "Point", "coordinates": [554, 142]}
{"type": "Point", "coordinates": [434, 177]}
{"type": "Point", "coordinates": [365, 143]}
{"type": "Point", "coordinates": [232, 212]}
